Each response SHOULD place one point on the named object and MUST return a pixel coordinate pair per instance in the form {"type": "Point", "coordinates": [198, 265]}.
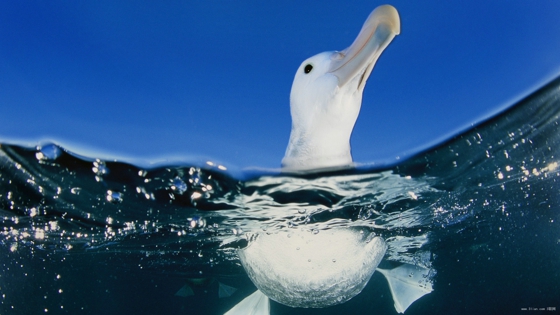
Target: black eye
{"type": "Point", "coordinates": [308, 68]}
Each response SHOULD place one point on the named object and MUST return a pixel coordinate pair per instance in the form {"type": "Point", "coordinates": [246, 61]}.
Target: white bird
{"type": "Point", "coordinates": [299, 268]}
{"type": "Point", "coordinates": [327, 93]}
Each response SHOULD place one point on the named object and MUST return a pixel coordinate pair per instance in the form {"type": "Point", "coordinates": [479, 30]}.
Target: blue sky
{"type": "Point", "coordinates": [177, 80]}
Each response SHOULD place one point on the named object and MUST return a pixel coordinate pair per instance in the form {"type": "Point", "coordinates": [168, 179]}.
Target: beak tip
{"type": "Point", "coordinates": [388, 15]}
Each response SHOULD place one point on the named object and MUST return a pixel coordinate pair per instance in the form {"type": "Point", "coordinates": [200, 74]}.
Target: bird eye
{"type": "Point", "coordinates": [308, 68]}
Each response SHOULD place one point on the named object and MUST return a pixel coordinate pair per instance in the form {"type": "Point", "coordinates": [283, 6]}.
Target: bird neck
{"type": "Point", "coordinates": [317, 149]}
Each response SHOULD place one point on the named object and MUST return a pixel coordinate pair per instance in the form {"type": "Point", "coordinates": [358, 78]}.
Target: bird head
{"type": "Point", "coordinates": [327, 93]}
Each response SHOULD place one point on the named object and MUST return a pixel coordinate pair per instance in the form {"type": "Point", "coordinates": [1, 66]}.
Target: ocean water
{"type": "Point", "coordinates": [81, 235]}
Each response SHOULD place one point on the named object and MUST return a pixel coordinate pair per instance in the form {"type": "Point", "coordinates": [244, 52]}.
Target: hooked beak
{"type": "Point", "coordinates": [381, 26]}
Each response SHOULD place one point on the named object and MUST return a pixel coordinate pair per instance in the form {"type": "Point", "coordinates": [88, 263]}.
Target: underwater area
{"type": "Point", "coordinates": [481, 211]}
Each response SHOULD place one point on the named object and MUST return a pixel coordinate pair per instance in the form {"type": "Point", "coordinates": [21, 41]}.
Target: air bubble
{"type": "Point", "coordinates": [48, 152]}
{"type": "Point", "coordinates": [179, 185]}
{"type": "Point", "coordinates": [114, 196]}
{"type": "Point", "coordinates": [99, 169]}
{"type": "Point", "coordinates": [32, 212]}
{"type": "Point", "coordinates": [195, 179]}
{"type": "Point", "coordinates": [197, 222]}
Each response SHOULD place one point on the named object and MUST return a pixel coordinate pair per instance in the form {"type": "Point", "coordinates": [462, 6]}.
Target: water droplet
{"type": "Point", "coordinates": [315, 231]}
{"type": "Point", "coordinates": [309, 260]}
{"type": "Point", "coordinates": [302, 211]}
{"type": "Point", "coordinates": [334, 260]}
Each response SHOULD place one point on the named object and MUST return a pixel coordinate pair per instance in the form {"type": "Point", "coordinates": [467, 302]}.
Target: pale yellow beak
{"type": "Point", "coordinates": [381, 26]}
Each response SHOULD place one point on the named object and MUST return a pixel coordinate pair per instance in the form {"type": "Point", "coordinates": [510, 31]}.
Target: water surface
{"type": "Point", "coordinates": [81, 235]}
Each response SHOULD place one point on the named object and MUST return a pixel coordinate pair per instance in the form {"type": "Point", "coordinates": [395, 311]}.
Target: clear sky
{"type": "Point", "coordinates": [173, 80]}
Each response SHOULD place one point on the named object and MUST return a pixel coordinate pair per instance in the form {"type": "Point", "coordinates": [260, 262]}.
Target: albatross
{"type": "Point", "coordinates": [303, 268]}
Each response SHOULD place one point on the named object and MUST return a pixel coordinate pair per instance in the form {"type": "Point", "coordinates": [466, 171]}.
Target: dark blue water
{"type": "Point", "coordinates": [482, 211]}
